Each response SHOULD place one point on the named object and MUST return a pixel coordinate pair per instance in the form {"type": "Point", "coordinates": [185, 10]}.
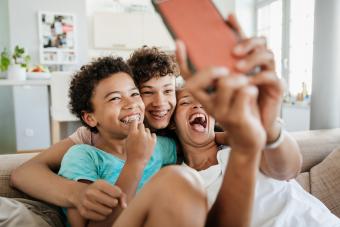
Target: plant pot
{"type": "Point", "coordinates": [16, 72]}
{"type": "Point", "coordinates": [3, 75]}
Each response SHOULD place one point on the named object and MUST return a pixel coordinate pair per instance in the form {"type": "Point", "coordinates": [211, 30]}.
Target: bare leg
{"type": "Point", "coordinates": [174, 197]}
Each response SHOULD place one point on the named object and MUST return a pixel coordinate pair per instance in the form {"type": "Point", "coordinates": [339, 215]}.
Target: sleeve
{"type": "Point", "coordinates": [167, 147]}
{"type": "Point", "coordinates": [78, 163]}
{"type": "Point", "coordinates": [81, 136]}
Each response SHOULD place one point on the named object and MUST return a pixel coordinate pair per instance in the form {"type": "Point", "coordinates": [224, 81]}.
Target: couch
{"type": "Point", "coordinates": [320, 173]}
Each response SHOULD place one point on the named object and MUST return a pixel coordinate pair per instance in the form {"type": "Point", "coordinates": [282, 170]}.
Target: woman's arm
{"type": "Point", "coordinates": [283, 162]}
{"type": "Point", "coordinates": [234, 202]}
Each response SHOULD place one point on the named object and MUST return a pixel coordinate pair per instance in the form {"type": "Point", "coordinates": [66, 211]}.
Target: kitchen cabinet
{"type": "Point", "coordinates": [128, 31]}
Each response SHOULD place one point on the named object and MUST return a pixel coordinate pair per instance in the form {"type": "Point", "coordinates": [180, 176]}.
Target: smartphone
{"type": "Point", "coordinates": [207, 35]}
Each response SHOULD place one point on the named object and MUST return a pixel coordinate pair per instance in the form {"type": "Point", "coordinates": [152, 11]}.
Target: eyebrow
{"type": "Point", "coordinates": [118, 92]}
{"type": "Point", "coordinates": [148, 86]}
{"type": "Point", "coordinates": [186, 96]}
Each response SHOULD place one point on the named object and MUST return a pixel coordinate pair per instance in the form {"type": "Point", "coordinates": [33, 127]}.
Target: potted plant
{"type": "Point", "coordinates": [18, 66]}
{"type": "Point", "coordinates": [4, 63]}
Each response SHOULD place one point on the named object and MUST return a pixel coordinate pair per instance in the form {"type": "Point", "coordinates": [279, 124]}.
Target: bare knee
{"type": "Point", "coordinates": [172, 176]}
{"type": "Point", "coordinates": [180, 182]}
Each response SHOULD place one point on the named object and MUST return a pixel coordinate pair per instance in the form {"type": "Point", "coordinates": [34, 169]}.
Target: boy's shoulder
{"type": "Point", "coordinates": [81, 150]}
{"type": "Point", "coordinates": [165, 141]}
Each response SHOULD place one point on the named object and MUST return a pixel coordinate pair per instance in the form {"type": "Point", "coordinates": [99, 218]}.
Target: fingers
{"type": "Point", "coordinates": [235, 25]}
{"type": "Point", "coordinates": [269, 78]}
{"type": "Point", "coordinates": [245, 100]}
{"type": "Point", "coordinates": [264, 59]}
{"type": "Point", "coordinates": [98, 207]}
{"type": "Point", "coordinates": [123, 200]}
{"type": "Point", "coordinates": [199, 83]}
{"type": "Point", "coordinates": [133, 126]}
{"type": "Point", "coordinates": [226, 89]}
{"type": "Point", "coordinates": [91, 215]}
{"type": "Point", "coordinates": [181, 56]}
{"type": "Point", "coordinates": [247, 46]}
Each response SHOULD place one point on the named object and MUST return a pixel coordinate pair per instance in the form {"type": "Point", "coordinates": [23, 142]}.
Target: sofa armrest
{"type": "Point", "coordinates": [7, 164]}
{"type": "Point", "coordinates": [315, 145]}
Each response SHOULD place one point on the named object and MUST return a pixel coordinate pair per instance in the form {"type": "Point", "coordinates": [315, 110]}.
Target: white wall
{"type": "Point", "coordinates": [4, 24]}
{"type": "Point", "coordinates": [23, 21]}
{"type": "Point", "coordinates": [245, 12]}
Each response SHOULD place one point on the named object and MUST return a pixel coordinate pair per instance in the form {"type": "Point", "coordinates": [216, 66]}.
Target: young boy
{"type": "Point", "coordinates": [104, 97]}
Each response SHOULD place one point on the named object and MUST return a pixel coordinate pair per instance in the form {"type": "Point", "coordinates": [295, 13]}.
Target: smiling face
{"type": "Point", "coordinates": [193, 125]}
{"type": "Point", "coordinates": [116, 102]}
{"type": "Point", "coordinates": [159, 97]}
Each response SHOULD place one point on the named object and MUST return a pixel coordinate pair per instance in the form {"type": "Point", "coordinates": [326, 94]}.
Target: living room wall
{"type": "Point", "coordinates": [4, 24]}
{"type": "Point", "coordinates": [24, 28]}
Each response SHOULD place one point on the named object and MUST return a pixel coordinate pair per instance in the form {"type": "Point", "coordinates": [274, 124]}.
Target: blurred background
{"type": "Point", "coordinates": [57, 37]}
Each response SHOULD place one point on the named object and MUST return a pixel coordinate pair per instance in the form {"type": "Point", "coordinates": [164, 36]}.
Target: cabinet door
{"type": "Point", "coordinates": [117, 30]}
{"type": "Point", "coordinates": [31, 110]}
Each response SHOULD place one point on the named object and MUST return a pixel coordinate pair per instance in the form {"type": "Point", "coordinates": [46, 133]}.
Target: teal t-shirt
{"type": "Point", "coordinates": [90, 163]}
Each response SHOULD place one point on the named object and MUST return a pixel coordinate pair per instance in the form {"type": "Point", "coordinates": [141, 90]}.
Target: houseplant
{"type": "Point", "coordinates": [16, 64]}
{"type": "Point", "coordinates": [4, 63]}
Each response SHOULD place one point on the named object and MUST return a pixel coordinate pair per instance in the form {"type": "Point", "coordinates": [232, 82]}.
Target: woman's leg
{"type": "Point", "coordinates": [174, 197]}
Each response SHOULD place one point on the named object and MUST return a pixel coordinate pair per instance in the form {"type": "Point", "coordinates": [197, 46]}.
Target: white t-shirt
{"type": "Point", "coordinates": [277, 203]}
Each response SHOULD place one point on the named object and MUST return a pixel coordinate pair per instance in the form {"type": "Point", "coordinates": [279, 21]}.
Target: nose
{"type": "Point", "coordinates": [130, 103]}
{"type": "Point", "coordinates": [196, 105]}
{"type": "Point", "coordinates": [159, 99]}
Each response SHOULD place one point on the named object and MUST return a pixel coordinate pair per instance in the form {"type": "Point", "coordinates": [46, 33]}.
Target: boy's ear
{"type": "Point", "coordinates": [89, 119]}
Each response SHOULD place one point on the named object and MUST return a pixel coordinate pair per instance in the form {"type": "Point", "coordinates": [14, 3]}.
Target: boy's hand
{"type": "Point", "coordinates": [97, 199]}
{"type": "Point", "coordinates": [253, 53]}
{"type": "Point", "coordinates": [140, 144]}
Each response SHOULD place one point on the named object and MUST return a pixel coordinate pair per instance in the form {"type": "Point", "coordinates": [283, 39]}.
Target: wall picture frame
{"type": "Point", "coordinates": [57, 38]}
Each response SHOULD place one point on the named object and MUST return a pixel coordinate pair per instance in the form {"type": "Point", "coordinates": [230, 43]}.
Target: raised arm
{"type": "Point", "coordinates": [284, 161]}
{"type": "Point", "coordinates": [140, 145]}
{"type": "Point", "coordinates": [234, 106]}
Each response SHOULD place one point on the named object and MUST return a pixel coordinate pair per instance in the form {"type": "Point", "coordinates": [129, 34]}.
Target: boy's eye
{"type": "Point", "coordinates": [184, 103]}
{"type": "Point", "coordinates": [169, 91]}
{"type": "Point", "coordinates": [114, 98]}
{"type": "Point", "coordinates": [147, 93]}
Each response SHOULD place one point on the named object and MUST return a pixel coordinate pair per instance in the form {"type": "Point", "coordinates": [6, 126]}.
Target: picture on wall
{"type": "Point", "coordinates": [57, 39]}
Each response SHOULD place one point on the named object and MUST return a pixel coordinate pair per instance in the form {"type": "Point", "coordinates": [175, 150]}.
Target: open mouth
{"type": "Point", "coordinates": [131, 118]}
{"type": "Point", "coordinates": [198, 122]}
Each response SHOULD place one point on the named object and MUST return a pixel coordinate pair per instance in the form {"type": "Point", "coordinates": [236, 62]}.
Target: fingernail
{"type": "Point", "coordinates": [220, 71]}
{"type": "Point", "coordinates": [243, 79]}
{"type": "Point", "coordinates": [238, 50]}
{"type": "Point", "coordinates": [241, 64]}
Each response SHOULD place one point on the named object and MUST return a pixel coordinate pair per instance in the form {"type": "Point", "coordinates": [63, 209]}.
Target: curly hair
{"type": "Point", "coordinates": [85, 81]}
{"type": "Point", "coordinates": [149, 62]}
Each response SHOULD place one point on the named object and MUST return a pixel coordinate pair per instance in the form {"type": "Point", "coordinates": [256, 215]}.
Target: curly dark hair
{"type": "Point", "coordinates": [149, 62]}
{"type": "Point", "coordinates": [87, 78]}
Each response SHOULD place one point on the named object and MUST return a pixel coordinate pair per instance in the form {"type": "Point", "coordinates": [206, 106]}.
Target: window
{"type": "Point", "coordinates": [288, 26]}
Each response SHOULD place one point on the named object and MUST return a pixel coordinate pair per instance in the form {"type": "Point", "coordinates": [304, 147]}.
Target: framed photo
{"type": "Point", "coordinates": [57, 39]}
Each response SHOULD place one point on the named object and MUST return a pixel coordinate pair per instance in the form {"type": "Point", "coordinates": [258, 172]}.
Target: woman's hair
{"type": "Point", "coordinates": [150, 62]}
{"type": "Point", "coordinates": [85, 81]}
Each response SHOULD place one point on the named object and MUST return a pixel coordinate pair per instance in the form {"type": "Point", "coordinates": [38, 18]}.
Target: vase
{"type": "Point", "coordinates": [16, 72]}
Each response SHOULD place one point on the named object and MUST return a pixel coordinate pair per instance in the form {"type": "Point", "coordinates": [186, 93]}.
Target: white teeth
{"type": "Point", "coordinates": [159, 113]}
{"type": "Point", "coordinates": [198, 115]}
{"type": "Point", "coordinates": [129, 119]}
